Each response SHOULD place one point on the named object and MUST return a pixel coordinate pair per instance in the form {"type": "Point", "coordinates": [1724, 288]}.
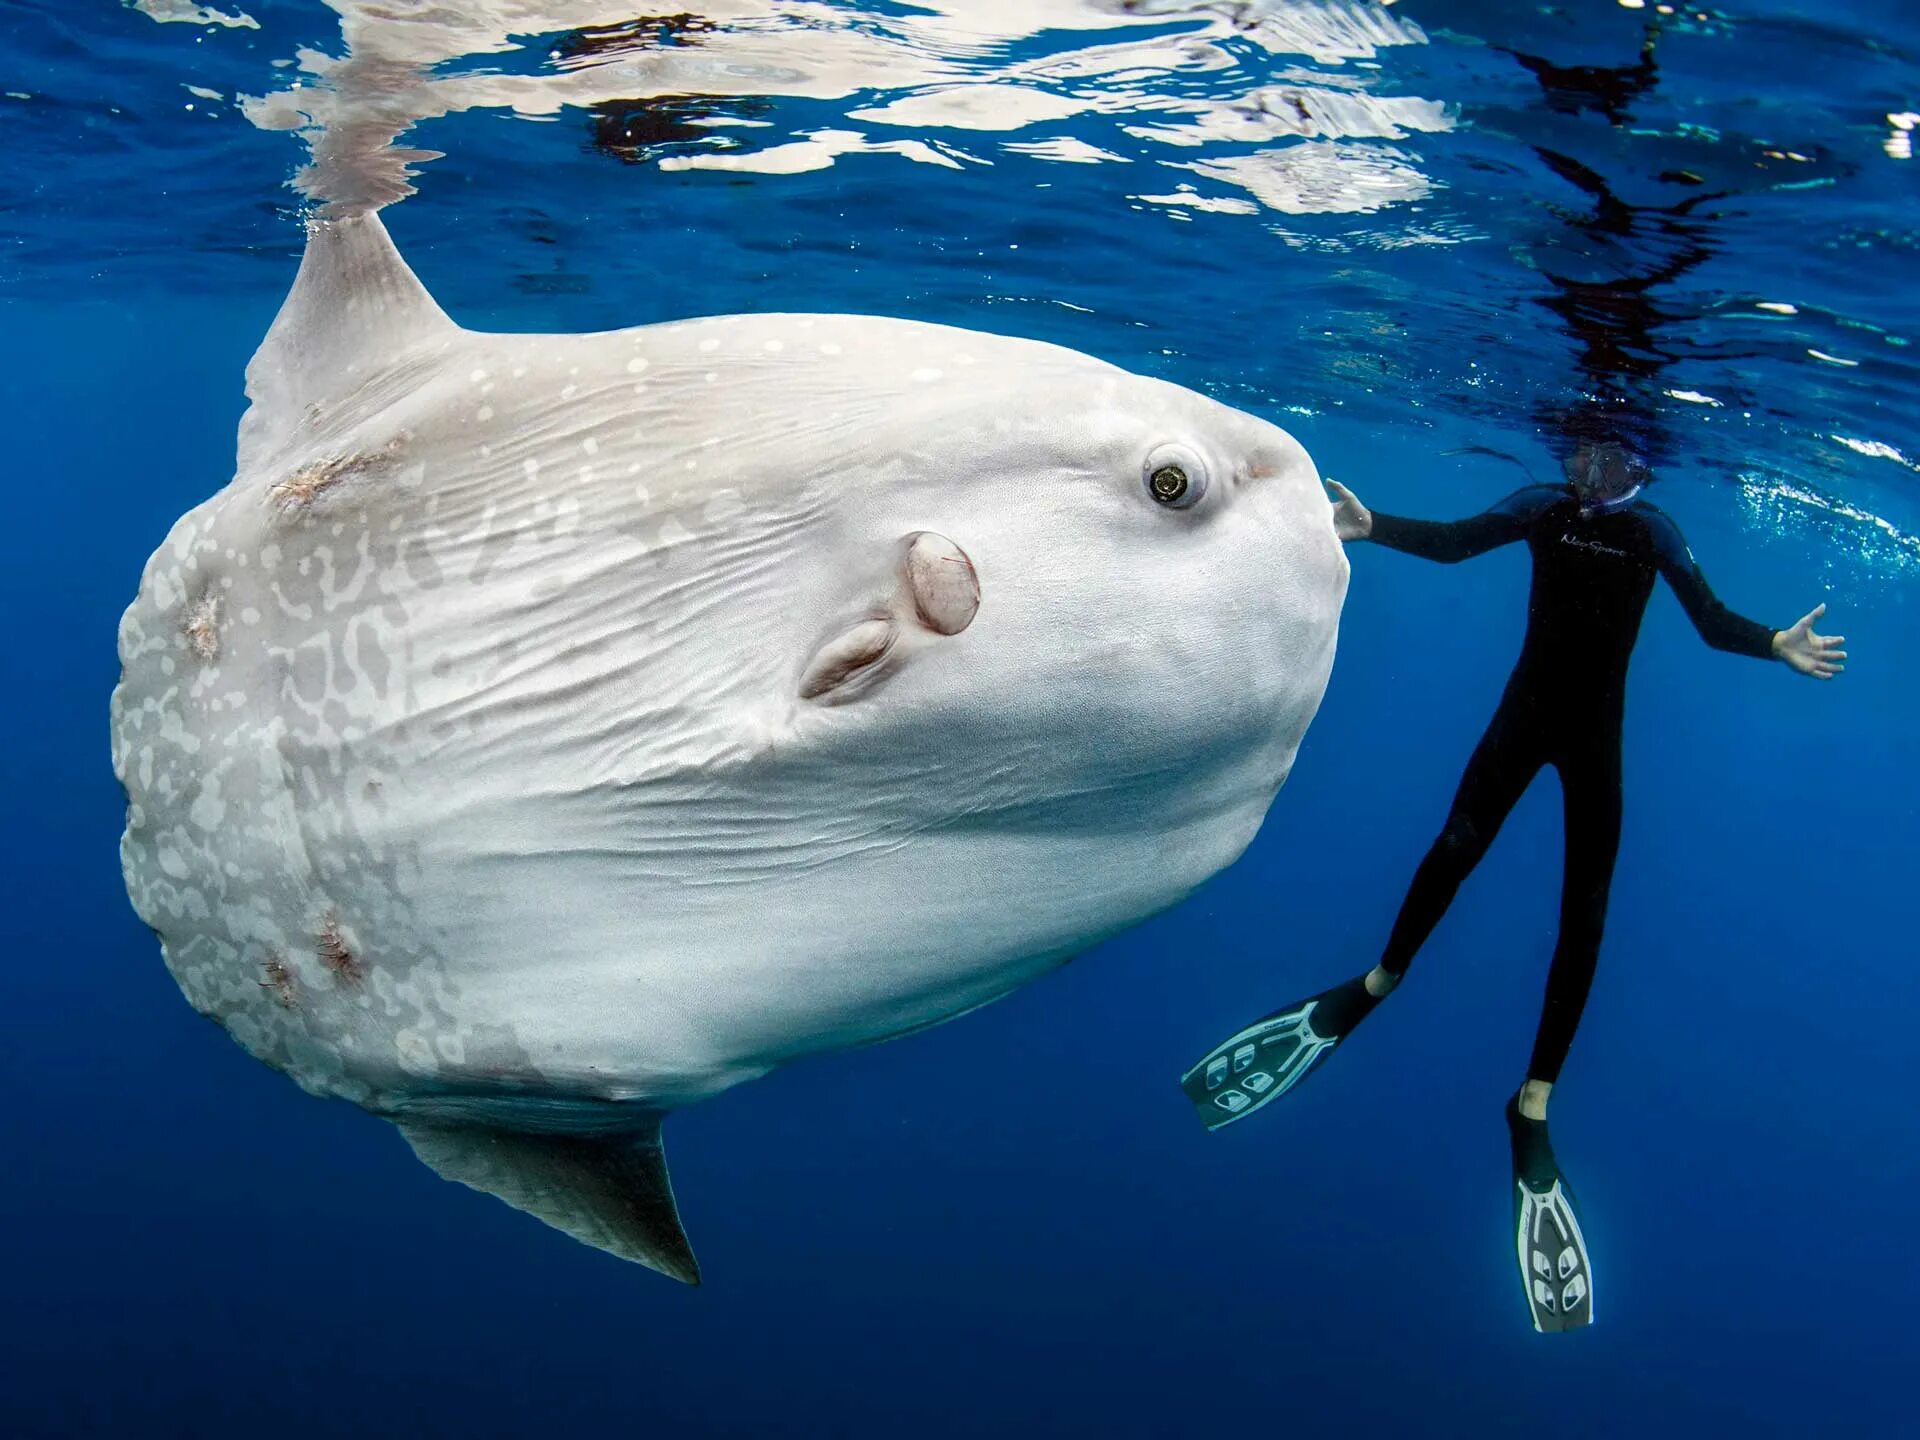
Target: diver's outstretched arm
{"type": "Point", "coordinates": [1798, 646]}
{"type": "Point", "coordinates": [1448, 541]}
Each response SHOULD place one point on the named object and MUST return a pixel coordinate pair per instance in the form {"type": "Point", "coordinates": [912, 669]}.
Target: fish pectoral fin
{"type": "Point", "coordinates": [608, 1191]}
{"type": "Point", "coordinates": [849, 664]}
{"type": "Point", "coordinates": [935, 593]}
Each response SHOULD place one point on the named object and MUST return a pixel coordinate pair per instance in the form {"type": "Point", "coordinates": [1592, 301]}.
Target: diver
{"type": "Point", "coordinates": [1596, 548]}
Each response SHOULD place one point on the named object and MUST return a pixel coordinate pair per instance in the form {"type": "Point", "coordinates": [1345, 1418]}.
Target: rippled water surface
{"type": "Point", "coordinates": [1441, 241]}
{"type": "Point", "coordinates": [1691, 225]}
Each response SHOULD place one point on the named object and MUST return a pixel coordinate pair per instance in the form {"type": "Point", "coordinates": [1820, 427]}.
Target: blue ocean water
{"type": "Point", "coordinates": [1410, 233]}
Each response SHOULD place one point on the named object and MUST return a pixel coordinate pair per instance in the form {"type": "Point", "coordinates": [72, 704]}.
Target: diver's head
{"type": "Point", "coordinates": [1605, 476]}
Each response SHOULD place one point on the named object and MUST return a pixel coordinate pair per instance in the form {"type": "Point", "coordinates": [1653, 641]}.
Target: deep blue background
{"type": "Point", "coordinates": [1013, 1220]}
{"type": "Point", "coordinates": [1012, 1224]}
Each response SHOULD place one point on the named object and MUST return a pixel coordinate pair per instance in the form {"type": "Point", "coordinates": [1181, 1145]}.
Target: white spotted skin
{"type": "Point", "coordinates": [513, 704]}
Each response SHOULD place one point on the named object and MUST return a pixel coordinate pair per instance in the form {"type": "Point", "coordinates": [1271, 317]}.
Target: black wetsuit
{"type": "Point", "coordinates": [1592, 576]}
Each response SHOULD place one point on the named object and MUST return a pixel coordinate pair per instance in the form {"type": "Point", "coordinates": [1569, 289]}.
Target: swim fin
{"type": "Point", "coordinates": [1554, 1269]}
{"type": "Point", "coordinates": [1272, 1055]}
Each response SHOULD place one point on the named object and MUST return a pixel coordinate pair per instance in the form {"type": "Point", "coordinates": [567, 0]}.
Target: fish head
{"type": "Point", "coordinates": [1147, 615]}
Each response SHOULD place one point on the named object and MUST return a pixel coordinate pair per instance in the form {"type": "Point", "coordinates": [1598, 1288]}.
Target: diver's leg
{"type": "Point", "coordinates": [1552, 1253]}
{"type": "Point", "coordinates": [1503, 764]}
{"type": "Point", "coordinates": [1272, 1055]}
{"type": "Point", "coordinates": [1591, 783]}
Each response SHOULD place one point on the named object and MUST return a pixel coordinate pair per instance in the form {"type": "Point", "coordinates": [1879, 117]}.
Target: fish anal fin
{"type": "Point", "coordinates": [356, 311]}
{"type": "Point", "coordinates": [608, 1191]}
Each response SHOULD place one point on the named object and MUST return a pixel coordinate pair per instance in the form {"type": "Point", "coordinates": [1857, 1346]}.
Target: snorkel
{"type": "Point", "coordinates": [1606, 477]}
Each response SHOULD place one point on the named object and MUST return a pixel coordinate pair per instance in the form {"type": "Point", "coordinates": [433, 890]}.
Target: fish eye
{"type": "Point", "coordinates": [1175, 477]}
{"type": "Point", "coordinates": [1168, 484]}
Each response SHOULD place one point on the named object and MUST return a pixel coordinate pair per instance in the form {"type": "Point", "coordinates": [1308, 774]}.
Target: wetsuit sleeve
{"type": "Point", "coordinates": [1450, 541]}
{"type": "Point", "coordinates": [1718, 626]}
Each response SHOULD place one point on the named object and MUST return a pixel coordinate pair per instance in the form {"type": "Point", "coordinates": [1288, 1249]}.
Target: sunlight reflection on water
{"type": "Point", "coordinates": [1459, 213]}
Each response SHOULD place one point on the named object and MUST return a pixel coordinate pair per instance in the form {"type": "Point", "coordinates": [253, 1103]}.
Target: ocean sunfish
{"type": "Point", "coordinates": [543, 732]}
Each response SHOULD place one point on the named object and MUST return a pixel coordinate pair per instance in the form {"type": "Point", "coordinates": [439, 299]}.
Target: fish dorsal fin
{"type": "Point", "coordinates": [607, 1191]}
{"type": "Point", "coordinates": [356, 314]}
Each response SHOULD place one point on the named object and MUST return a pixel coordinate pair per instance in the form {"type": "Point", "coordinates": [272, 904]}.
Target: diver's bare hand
{"type": "Point", "coordinates": [1817, 655]}
{"type": "Point", "coordinates": [1351, 519]}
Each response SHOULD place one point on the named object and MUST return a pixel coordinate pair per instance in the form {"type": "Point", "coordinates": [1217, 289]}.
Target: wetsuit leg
{"type": "Point", "coordinates": [1504, 763]}
{"type": "Point", "coordinates": [1590, 781]}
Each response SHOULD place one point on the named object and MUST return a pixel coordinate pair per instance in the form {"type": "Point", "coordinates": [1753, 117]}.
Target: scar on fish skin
{"type": "Point", "coordinates": [201, 626]}
{"type": "Point", "coordinates": [299, 490]}
{"type": "Point", "coordinates": [279, 980]}
{"type": "Point", "coordinates": [341, 962]}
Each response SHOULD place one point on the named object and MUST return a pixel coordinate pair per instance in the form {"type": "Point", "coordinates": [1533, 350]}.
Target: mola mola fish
{"type": "Point", "coordinates": [540, 733]}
